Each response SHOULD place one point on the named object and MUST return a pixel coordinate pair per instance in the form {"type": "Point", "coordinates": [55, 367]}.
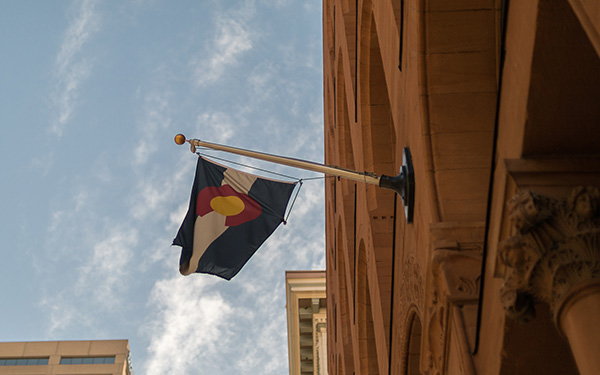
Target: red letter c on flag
{"type": "Point", "coordinates": [238, 207]}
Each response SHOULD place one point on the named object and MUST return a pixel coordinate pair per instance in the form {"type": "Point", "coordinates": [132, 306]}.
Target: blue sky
{"type": "Point", "coordinates": [91, 96]}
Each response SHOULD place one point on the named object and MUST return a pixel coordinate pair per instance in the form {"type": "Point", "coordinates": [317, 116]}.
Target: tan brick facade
{"type": "Point", "coordinates": [492, 98]}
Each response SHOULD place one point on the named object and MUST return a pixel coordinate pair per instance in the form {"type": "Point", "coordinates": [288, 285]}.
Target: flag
{"type": "Point", "coordinates": [231, 214]}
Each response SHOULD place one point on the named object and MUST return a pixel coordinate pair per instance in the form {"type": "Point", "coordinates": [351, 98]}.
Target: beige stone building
{"type": "Point", "coordinates": [306, 306]}
{"type": "Point", "coordinates": [498, 103]}
{"type": "Point", "coordinates": [105, 357]}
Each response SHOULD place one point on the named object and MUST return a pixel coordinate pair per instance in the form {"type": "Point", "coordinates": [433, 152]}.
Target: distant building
{"type": "Point", "coordinates": [306, 306]}
{"type": "Point", "coordinates": [498, 102]}
{"type": "Point", "coordinates": [105, 357]}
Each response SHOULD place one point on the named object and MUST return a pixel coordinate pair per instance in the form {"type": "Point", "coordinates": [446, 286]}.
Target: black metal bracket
{"type": "Point", "coordinates": [403, 184]}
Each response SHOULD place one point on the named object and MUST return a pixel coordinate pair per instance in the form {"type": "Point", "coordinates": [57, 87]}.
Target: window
{"type": "Point", "coordinates": [87, 360]}
{"type": "Point", "coordinates": [23, 361]}
{"type": "Point", "coordinates": [106, 360]}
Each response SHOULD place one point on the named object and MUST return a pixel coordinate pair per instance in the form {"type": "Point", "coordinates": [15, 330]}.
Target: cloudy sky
{"type": "Point", "coordinates": [94, 188]}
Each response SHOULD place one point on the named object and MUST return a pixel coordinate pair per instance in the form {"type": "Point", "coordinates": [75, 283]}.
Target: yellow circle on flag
{"type": "Point", "coordinates": [227, 206]}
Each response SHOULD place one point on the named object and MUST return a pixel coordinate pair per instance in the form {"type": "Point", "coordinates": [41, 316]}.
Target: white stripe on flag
{"type": "Point", "coordinates": [239, 181]}
{"type": "Point", "coordinates": [206, 229]}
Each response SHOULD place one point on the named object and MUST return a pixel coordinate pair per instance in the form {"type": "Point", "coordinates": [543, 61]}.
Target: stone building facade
{"type": "Point", "coordinates": [498, 103]}
{"type": "Point", "coordinates": [101, 357]}
{"type": "Point", "coordinates": [306, 306]}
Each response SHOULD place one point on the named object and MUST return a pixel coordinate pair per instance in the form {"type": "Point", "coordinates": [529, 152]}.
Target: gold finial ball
{"type": "Point", "coordinates": [180, 139]}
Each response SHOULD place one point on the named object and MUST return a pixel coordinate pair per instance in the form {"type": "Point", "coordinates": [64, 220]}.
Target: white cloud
{"type": "Point", "coordinates": [189, 318]}
{"type": "Point", "coordinates": [215, 126]}
{"type": "Point", "coordinates": [176, 217]}
{"type": "Point", "coordinates": [233, 38]}
{"type": "Point", "coordinates": [95, 284]}
{"type": "Point", "coordinates": [43, 162]}
{"type": "Point", "coordinates": [155, 191]}
{"type": "Point", "coordinates": [61, 313]}
{"type": "Point", "coordinates": [104, 275]}
{"type": "Point", "coordinates": [156, 116]}
{"type": "Point", "coordinates": [265, 348]}
{"type": "Point", "coordinates": [71, 69]}
{"type": "Point", "coordinates": [98, 282]}
{"type": "Point", "coordinates": [98, 252]}
{"type": "Point", "coordinates": [102, 168]}
{"type": "Point", "coordinates": [261, 80]}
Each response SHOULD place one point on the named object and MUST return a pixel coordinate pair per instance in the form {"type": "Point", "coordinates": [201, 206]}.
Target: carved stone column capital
{"type": "Point", "coordinates": [556, 247]}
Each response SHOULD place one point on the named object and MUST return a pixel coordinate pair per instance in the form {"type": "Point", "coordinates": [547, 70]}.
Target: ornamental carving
{"type": "Point", "coordinates": [412, 286]}
{"type": "Point", "coordinates": [556, 247]}
{"type": "Point", "coordinates": [456, 281]}
{"type": "Point", "coordinates": [411, 298]}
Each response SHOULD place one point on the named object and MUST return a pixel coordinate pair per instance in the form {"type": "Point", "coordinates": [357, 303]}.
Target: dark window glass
{"type": "Point", "coordinates": [21, 362]}
{"type": "Point", "coordinates": [11, 362]}
{"type": "Point", "coordinates": [43, 361]}
{"type": "Point", "coordinates": [32, 361]}
{"type": "Point", "coordinates": [85, 360]}
{"type": "Point", "coordinates": [2, 362]}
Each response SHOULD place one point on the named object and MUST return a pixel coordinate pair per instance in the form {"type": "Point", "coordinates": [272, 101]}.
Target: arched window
{"type": "Point", "coordinates": [364, 319]}
{"type": "Point", "coordinates": [412, 356]}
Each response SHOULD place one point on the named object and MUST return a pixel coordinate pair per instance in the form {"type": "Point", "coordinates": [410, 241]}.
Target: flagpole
{"type": "Point", "coordinates": [403, 184]}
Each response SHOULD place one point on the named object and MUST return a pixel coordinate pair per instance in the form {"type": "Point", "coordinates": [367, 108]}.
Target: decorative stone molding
{"type": "Point", "coordinates": [320, 346]}
{"type": "Point", "coordinates": [459, 272]}
{"type": "Point", "coordinates": [555, 248]}
{"type": "Point", "coordinates": [411, 297]}
{"type": "Point", "coordinates": [412, 291]}
{"type": "Point", "coordinates": [455, 270]}
{"type": "Point", "coordinates": [456, 281]}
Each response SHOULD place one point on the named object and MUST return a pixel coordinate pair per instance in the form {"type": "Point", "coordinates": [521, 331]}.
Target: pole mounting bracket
{"type": "Point", "coordinates": [403, 184]}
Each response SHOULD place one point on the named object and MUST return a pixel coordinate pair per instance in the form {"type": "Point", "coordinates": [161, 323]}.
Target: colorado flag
{"type": "Point", "coordinates": [231, 214]}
